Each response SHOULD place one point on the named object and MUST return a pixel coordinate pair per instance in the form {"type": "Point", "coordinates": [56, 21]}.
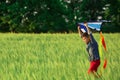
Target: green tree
{"type": "Point", "coordinates": [112, 12]}
{"type": "Point", "coordinates": [54, 15]}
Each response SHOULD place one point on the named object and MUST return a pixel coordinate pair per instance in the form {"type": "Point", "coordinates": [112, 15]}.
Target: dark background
{"type": "Point", "coordinates": [51, 16]}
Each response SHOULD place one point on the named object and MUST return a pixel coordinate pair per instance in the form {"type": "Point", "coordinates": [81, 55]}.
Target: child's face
{"type": "Point", "coordinates": [86, 39]}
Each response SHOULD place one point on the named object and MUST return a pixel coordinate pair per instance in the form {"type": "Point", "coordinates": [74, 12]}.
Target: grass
{"type": "Point", "coordinates": [53, 57]}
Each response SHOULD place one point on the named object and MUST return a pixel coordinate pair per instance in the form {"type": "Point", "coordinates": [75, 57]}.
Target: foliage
{"type": "Point", "coordinates": [55, 15]}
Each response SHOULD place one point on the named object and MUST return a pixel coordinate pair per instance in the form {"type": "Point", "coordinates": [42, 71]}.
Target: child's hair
{"type": "Point", "coordinates": [85, 22]}
{"type": "Point", "coordinates": [84, 35]}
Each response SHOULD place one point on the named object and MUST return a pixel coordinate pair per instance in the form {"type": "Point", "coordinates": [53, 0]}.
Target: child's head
{"type": "Point", "coordinates": [85, 37]}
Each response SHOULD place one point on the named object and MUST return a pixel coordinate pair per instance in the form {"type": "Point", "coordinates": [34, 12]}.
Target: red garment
{"type": "Point", "coordinates": [94, 66]}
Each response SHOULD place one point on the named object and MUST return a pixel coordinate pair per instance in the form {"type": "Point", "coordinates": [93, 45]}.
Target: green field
{"type": "Point", "coordinates": [53, 57]}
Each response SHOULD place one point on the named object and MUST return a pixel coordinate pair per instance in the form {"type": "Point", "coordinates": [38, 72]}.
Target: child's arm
{"type": "Point", "coordinates": [88, 30]}
{"type": "Point", "coordinates": [79, 31]}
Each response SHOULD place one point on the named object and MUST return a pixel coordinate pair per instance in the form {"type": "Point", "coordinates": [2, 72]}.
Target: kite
{"type": "Point", "coordinates": [92, 25]}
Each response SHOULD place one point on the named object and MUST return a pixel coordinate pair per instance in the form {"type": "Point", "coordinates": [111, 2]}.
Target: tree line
{"type": "Point", "coordinates": [41, 16]}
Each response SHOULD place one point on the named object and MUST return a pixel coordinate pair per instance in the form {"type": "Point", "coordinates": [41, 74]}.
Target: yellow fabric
{"type": "Point", "coordinates": [100, 47]}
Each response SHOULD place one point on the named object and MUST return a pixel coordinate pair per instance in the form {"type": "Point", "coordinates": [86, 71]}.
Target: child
{"type": "Point", "coordinates": [92, 49]}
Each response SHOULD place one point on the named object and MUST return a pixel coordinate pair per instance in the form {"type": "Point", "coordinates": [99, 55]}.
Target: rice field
{"type": "Point", "coordinates": [54, 57]}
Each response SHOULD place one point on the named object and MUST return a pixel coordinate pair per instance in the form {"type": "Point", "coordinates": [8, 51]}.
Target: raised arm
{"type": "Point", "coordinates": [88, 30]}
{"type": "Point", "coordinates": [89, 33]}
{"type": "Point", "coordinates": [79, 31]}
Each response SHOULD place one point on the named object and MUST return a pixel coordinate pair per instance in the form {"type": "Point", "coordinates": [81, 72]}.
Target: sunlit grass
{"type": "Point", "coordinates": [53, 57]}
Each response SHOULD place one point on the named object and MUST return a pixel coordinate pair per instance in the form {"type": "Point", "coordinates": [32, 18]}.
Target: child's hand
{"type": "Point", "coordinates": [86, 25]}
{"type": "Point", "coordinates": [78, 27]}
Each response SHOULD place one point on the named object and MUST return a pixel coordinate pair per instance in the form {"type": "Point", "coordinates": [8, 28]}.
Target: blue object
{"type": "Point", "coordinates": [92, 25]}
{"type": "Point", "coordinates": [83, 28]}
